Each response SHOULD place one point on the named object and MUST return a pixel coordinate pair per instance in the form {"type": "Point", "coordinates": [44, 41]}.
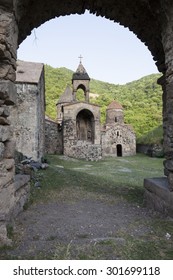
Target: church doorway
{"type": "Point", "coordinates": [119, 150]}
{"type": "Point", "coordinates": [85, 126]}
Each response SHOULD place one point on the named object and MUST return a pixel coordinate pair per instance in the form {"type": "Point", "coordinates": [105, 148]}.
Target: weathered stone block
{"type": "Point", "coordinates": [22, 192]}
{"type": "Point", "coordinates": [4, 111]}
{"type": "Point", "coordinates": [8, 163]}
{"type": "Point", "coordinates": [2, 150]}
{"type": "Point", "coordinates": [6, 180]}
{"type": "Point", "coordinates": [8, 92]}
{"type": "Point", "coordinates": [5, 133]}
{"type": "Point", "coordinates": [4, 121]}
{"type": "Point", "coordinates": [168, 164]}
{"type": "Point", "coordinates": [7, 200]}
{"type": "Point", "coordinates": [20, 181]}
{"type": "Point", "coordinates": [2, 102]}
{"type": "Point", "coordinates": [9, 149]}
{"type": "Point", "coordinates": [158, 196]}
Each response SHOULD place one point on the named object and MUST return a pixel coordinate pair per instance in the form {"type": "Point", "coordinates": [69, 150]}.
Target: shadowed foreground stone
{"type": "Point", "coordinates": [158, 196]}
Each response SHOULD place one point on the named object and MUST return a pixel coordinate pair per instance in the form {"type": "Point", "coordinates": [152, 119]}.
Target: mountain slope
{"type": "Point", "coordinates": [141, 99]}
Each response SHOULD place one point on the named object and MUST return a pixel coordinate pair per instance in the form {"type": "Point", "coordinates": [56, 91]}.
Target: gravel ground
{"type": "Point", "coordinates": [50, 230]}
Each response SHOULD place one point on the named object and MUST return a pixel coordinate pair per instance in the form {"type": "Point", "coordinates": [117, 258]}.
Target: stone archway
{"type": "Point", "coordinates": [85, 126]}
{"type": "Point", "coordinates": [151, 21]}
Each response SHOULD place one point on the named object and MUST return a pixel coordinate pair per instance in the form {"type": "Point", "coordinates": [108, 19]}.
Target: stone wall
{"type": "Point", "coordinates": [152, 150]}
{"type": "Point", "coordinates": [27, 117]}
{"type": "Point", "coordinates": [167, 85]}
{"type": "Point", "coordinates": [53, 138]}
{"type": "Point", "coordinates": [14, 191]}
{"type": "Point", "coordinates": [119, 134]}
{"type": "Point", "coordinates": [9, 196]}
{"type": "Point", "coordinates": [85, 150]}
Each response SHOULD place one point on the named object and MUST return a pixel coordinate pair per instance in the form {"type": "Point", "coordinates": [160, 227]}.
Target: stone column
{"type": "Point", "coordinates": [74, 95]}
{"type": "Point", "coordinates": [8, 47]}
{"type": "Point", "coordinates": [87, 96]}
{"type": "Point", "coordinates": [167, 85]}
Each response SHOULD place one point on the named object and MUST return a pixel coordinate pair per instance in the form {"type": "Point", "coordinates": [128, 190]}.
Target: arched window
{"type": "Point", "coordinates": [80, 93]}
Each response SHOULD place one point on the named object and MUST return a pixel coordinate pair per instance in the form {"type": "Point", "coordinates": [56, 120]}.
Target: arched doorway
{"type": "Point", "coordinates": [85, 126]}
{"type": "Point", "coordinates": [119, 150]}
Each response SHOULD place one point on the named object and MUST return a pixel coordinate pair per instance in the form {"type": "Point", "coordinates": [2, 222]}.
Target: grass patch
{"type": "Point", "coordinates": [113, 176]}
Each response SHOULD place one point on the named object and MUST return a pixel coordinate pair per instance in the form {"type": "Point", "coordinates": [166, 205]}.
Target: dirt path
{"type": "Point", "coordinates": [88, 227]}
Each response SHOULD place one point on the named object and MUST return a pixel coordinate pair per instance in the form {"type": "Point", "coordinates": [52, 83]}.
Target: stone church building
{"type": "Point", "coordinates": [77, 131]}
{"type": "Point", "coordinates": [118, 138]}
{"type": "Point", "coordinates": [28, 114]}
{"type": "Point", "coordinates": [81, 134]}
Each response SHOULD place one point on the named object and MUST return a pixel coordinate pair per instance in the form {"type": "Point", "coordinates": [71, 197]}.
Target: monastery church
{"type": "Point", "coordinates": [77, 131]}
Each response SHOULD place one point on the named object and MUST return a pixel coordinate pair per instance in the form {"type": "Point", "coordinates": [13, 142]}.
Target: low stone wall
{"type": "Point", "coordinates": [158, 195]}
{"type": "Point", "coordinates": [22, 192]}
{"type": "Point", "coordinates": [154, 150]}
{"type": "Point", "coordinates": [53, 138]}
{"type": "Point", "coordinates": [15, 195]}
{"type": "Point", "coordinates": [84, 150]}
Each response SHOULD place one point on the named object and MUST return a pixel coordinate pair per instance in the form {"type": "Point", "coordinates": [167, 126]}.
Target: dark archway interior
{"type": "Point", "coordinates": [119, 150]}
{"type": "Point", "coordinates": [85, 126]}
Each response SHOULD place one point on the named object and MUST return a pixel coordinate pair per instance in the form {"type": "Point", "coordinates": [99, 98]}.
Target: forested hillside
{"type": "Point", "coordinates": [141, 99]}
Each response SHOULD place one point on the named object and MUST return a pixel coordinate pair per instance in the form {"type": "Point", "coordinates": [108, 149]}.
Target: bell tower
{"type": "Point", "coordinates": [81, 80]}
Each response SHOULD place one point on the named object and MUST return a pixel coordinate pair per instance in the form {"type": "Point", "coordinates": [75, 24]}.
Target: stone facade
{"type": "Point", "coordinates": [79, 122]}
{"type": "Point", "coordinates": [151, 21]}
{"type": "Point", "coordinates": [118, 138]}
{"type": "Point", "coordinates": [85, 144]}
{"type": "Point", "coordinates": [27, 116]}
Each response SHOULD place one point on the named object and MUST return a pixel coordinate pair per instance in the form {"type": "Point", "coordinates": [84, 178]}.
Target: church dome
{"type": "Point", "coordinates": [114, 105]}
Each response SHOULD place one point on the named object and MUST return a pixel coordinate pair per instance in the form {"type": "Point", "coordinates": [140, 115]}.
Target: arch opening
{"type": "Point", "coordinates": [85, 126]}
{"type": "Point", "coordinates": [81, 93]}
{"type": "Point", "coordinates": [95, 31]}
{"type": "Point", "coordinates": [119, 150]}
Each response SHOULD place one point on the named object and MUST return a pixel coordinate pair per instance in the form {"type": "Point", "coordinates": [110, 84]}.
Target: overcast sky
{"type": "Point", "coordinates": [110, 52]}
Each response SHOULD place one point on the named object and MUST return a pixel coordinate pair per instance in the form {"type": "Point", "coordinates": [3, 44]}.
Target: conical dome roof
{"type": "Point", "coordinates": [80, 73]}
{"type": "Point", "coordinates": [114, 105]}
{"type": "Point", "coordinates": [66, 97]}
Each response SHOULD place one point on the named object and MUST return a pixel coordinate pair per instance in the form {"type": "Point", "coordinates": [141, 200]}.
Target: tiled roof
{"type": "Point", "coordinates": [114, 105]}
